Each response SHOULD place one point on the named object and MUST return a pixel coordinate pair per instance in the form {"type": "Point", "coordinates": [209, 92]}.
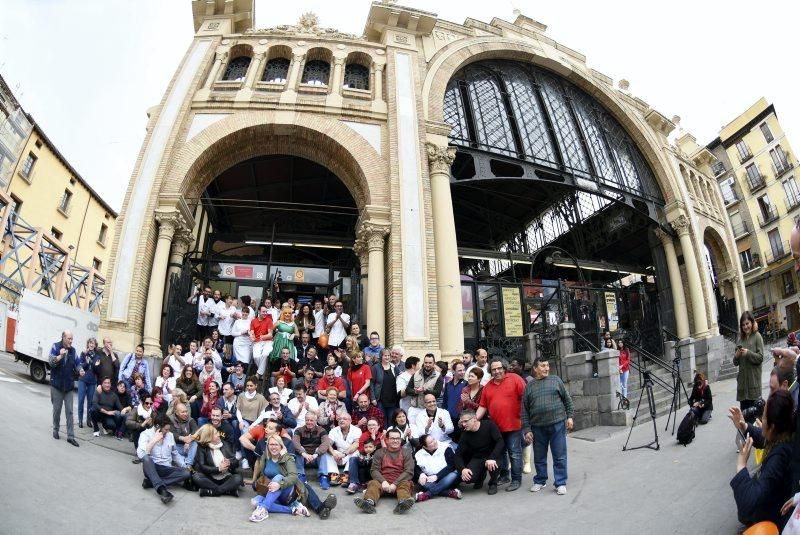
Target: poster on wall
{"type": "Point", "coordinates": [611, 310]}
{"type": "Point", "coordinates": [512, 312]}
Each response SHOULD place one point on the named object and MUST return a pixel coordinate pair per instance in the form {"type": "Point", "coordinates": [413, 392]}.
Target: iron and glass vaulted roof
{"type": "Point", "coordinates": [532, 147]}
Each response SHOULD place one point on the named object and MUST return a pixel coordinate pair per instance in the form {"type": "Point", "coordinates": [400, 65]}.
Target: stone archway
{"type": "Point", "coordinates": [726, 291]}
{"type": "Point", "coordinates": [450, 59]}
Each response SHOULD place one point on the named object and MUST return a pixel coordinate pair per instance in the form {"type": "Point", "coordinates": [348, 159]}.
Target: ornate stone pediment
{"type": "Point", "coordinates": [307, 26]}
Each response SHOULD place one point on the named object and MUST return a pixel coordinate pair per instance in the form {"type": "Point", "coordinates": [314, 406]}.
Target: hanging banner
{"type": "Point", "coordinates": [611, 310]}
{"type": "Point", "coordinates": [512, 312]}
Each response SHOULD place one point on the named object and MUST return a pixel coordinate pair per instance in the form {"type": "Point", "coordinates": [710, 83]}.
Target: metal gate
{"type": "Point", "coordinates": [180, 324]}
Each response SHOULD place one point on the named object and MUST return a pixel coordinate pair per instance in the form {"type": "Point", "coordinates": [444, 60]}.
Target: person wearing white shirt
{"type": "Point", "coordinates": [194, 357]}
{"type": "Point", "coordinates": [301, 404]}
{"type": "Point", "coordinates": [271, 310]}
{"type": "Point", "coordinates": [319, 320]}
{"type": "Point", "coordinates": [166, 381]}
{"type": "Point", "coordinates": [242, 343]}
{"type": "Point", "coordinates": [228, 314]}
{"type": "Point", "coordinates": [433, 421]}
{"type": "Point", "coordinates": [177, 361]}
{"type": "Point", "coordinates": [201, 300]}
{"type": "Point", "coordinates": [344, 444]}
{"type": "Point", "coordinates": [411, 366]}
{"type": "Point", "coordinates": [338, 323]}
{"type": "Point", "coordinates": [209, 351]}
{"type": "Point", "coordinates": [213, 311]}
{"type": "Point", "coordinates": [482, 362]}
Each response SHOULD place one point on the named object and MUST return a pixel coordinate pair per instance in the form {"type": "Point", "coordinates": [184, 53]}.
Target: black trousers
{"type": "Point", "coordinates": [231, 482]}
{"type": "Point", "coordinates": [479, 471]}
{"type": "Point", "coordinates": [163, 476]}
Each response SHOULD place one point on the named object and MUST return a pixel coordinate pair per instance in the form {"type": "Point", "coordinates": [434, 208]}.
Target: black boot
{"type": "Point", "coordinates": [166, 496]}
{"type": "Point", "coordinates": [234, 493]}
{"type": "Point", "coordinates": [208, 493]}
{"type": "Point", "coordinates": [189, 485]}
{"type": "Point", "coordinates": [325, 509]}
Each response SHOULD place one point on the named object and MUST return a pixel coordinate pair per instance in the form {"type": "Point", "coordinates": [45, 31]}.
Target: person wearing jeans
{"type": "Point", "coordinates": [546, 417]}
{"type": "Point", "coordinates": [435, 472]}
{"type": "Point", "coordinates": [88, 361]}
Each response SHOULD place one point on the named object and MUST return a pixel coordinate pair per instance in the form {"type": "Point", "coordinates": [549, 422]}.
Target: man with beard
{"type": "Point", "coordinates": [428, 380]}
{"type": "Point", "coordinates": [365, 411]}
{"type": "Point", "coordinates": [225, 430]}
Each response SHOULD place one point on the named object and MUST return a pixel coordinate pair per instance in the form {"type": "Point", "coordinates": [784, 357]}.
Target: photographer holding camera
{"type": "Point", "coordinates": [749, 356]}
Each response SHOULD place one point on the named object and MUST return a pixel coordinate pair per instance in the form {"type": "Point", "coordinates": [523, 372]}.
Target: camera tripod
{"type": "Point", "coordinates": [648, 388]}
{"type": "Point", "coordinates": [677, 386]}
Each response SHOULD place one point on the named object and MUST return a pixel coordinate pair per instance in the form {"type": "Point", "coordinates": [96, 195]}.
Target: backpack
{"type": "Point", "coordinates": [685, 432]}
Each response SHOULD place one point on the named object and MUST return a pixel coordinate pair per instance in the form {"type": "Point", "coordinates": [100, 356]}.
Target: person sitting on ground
{"type": "Point", "coordinates": [162, 465]}
{"type": "Point", "coordinates": [284, 367]}
{"type": "Point", "coordinates": [392, 473]}
{"type": "Point", "coordinates": [700, 401]}
{"type": "Point", "coordinates": [249, 405]}
{"type": "Point", "coordinates": [209, 351]}
{"type": "Point", "coordinates": [159, 405]}
{"type": "Point", "coordinates": [215, 466]}
{"type": "Point", "coordinates": [435, 472]}
{"type": "Point", "coordinates": [373, 434]}
{"type": "Point", "coordinates": [210, 398]}
{"type": "Point", "coordinates": [434, 421]}
{"type": "Point", "coordinates": [209, 371]}
{"type": "Point", "coordinates": [401, 423]}
{"type": "Point", "coordinates": [344, 445]}
{"type": "Point", "coordinates": [281, 389]}
{"type": "Point", "coordinates": [227, 405]}
{"type": "Point", "coordinates": [763, 497]}
{"type": "Point", "coordinates": [175, 359]}
{"type": "Point", "coordinates": [225, 430]}
{"type": "Point", "coordinates": [254, 439]}
{"type": "Point", "coordinates": [479, 450]}
{"type": "Point", "coordinates": [312, 446]}
{"type": "Point", "coordinates": [183, 429]}
{"type": "Point", "coordinates": [124, 399]}
{"type": "Point", "coordinates": [285, 491]}
{"type": "Point", "coordinates": [237, 379]}
{"type": "Point", "coordinates": [137, 390]}
{"type": "Point", "coordinates": [331, 410]}
{"type": "Point", "coordinates": [107, 410]}
{"type": "Point", "coordinates": [301, 405]}
{"type": "Point", "coordinates": [141, 420]}
{"type": "Point", "coordinates": [178, 397]}
{"type": "Point", "coordinates": [365, 411]}
{"type": "Point", "coordinates": [328, 381]}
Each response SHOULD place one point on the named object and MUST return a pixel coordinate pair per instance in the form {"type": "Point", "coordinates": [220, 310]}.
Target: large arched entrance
{"type": "Point", "coordinates": [720, 274]}
{"type": "Point", "coordinates": [555, 210]}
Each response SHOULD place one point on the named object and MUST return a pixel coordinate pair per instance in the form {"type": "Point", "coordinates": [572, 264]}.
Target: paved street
{"type": "Point", "coordinates": [50, 485]}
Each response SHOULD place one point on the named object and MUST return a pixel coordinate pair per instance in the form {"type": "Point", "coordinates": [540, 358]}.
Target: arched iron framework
{"type": "Point", "coordinates": [276, 71]}
{"type": "Point", "coordinates": [529, 114]}
{"type": "Point", "coordinates": [356, 76]}
{"type": "Point", "coordinates": [236, 71]}
{"type": "Point", "coordinates": [316, 72]}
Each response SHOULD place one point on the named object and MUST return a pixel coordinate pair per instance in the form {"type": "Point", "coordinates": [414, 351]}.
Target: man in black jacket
{"type": "Point", "coordinates": [478, 450]}
{"type": "Point", "coordinates": [63, 368]}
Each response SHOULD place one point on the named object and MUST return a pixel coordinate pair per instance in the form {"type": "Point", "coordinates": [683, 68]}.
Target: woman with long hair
{"type": "Point", "coordinates": [215, 465]}
{"type": "Point", "coordinates": [283, 335]}
{"type": "Point", "coordinates": [763, 497]}
{"type": "Point", "coordinates": [87, 383]}
{"type": "Point", "coordinates": [166, 381]}
{"type": "Point", "coordinates": [700, 401]}
{"type": "Point", "coordinates": [401, 423]}
{"type": "Point", "coordinates": [624, 366]}
{"type": "Point", "coordinates": [361, 339]}
{"type": "Point", "coordinates": [436, 473]}
{"type": "Point", "coordinates": [305, 319]}
{"type": "Point", "coordinates": [188, 383]}
{"type": "Point", "coordinates": [210, 397]}
{"type": "Point", "coordinates": [748, 357]}
{"type": "Point", "coordinates": [285, 491]}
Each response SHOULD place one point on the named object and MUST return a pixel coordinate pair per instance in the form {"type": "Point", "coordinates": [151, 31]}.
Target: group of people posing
{"type": "Point", "coordinates": [291, 398]}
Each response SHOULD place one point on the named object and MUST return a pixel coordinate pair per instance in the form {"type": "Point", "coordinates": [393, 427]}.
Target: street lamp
{"type": "Point", "coordinates": [551, 259]}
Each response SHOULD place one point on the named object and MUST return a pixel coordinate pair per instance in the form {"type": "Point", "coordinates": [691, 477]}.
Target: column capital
{"type": "Point", "coordinates": [378, 67]}
{"type": "Point", "coordinates": [371, 235]}
{"type": "Point", "coordinates": [440, 158]}
{"type": "Point", "coordinates": [681, 225]}
{"type": "Point", "coordinates": [664, 236]}
{"type": "Point", "coordinates": [222, 55]}
{"type": "Point", "coordinates": [169, 222]}
{"type": "Point", "coordinates": [183, 238]}
{"type": "Point", "coordinates": [338, 60]}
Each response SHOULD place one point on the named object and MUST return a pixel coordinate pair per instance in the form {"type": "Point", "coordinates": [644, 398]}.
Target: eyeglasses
{"type": "Point", "coordinates": [146, 404]}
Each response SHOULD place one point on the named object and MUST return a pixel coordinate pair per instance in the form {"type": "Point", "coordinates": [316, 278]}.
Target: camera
{"type": "Point", "coordinates": [751, 413]}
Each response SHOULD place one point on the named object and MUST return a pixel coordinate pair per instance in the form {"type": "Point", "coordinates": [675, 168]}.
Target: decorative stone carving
{"type": "Point", "coordinates": [168, 223]}
{"type": "Point", "coordinates": [440, 159]}
{"type": "Point", "coordinates": [307, 25]}
{"type": "Point", "coordinates": [662, 235]}
{"type": "Point", "coordinates": [183, 239]}
{"type": "Point", "coordinates": [681, 225]}
{"type": "Point", "coordinates": [372, 235]}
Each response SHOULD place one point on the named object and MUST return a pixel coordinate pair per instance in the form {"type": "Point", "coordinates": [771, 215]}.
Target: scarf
{"type": "Point", "coordinates": [250, 395]}
{"type": "Point", "coordinates": [217, 457]}
{"type": "Point", "coordinates": [144, 413]}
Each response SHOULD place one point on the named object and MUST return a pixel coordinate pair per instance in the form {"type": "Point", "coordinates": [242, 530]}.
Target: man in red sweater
{"type": "Point", "coordinates": [501, 398]}
{"type": "Point", "coordinates": [261, 335]}
{"type": "Point", "coordinates": [392, 473]}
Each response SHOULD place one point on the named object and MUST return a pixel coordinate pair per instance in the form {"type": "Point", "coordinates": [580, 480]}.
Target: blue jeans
{"type": "Point", "coordinates": [85, 392]}
{"type": "Point", "coordinates": [442, 486]}
{"type": "Point", "coordinates": [513, 448]}
{"type": "Point", "coordinates": [188, 458]}
{"type": "Point", "coordinates": [623, 382]}
{"type": "Point", "coordinates": [277, 502]}
{"type": "Point", "coordinates": [554, 436]}
{"type": "Point", "coordinates": [324, 463]}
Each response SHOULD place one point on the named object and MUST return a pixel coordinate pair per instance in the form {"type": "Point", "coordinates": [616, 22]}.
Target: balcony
{"type": "Point", "coordinates": [741, 229]}
{"type": "Point", "coordinates": [756, 182]}
{"type": "Point", "coordinates": [778, 252]}
{"type": "Point", "coordinates": [785, 167]}
{"type": "Point", "coordinates": [730, 197]}
{"type": "Point", "coordinates": [769, 214]}
{"type": "Point", "coordinates": [717, 168]}
{"type": "Point", "coordinates": [746, 156]}
{"type": "Point", "coordinates": [754, 263]}
{"type": "Point", "coordinates": [792, 202]}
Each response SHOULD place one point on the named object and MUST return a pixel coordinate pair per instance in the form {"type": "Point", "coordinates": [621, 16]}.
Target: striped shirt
{"type": "Point", "coordinates": [545, 402]}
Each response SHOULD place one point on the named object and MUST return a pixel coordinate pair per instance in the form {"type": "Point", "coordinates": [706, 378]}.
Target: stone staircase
{"type": "Point", "coordinates": [727, 370]}
{"type": "Point", "coordinates": [661, 396]}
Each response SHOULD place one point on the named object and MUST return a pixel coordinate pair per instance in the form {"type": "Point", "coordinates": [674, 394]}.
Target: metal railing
{"type": "Point", "coordinates": [778, 252]}
{"type": "Point", "coordinates": [754, 263]}
{"type": "Point", "coordinates": [755, 182]}
{"type": "Point", "coordinates": [768, 215]}
{"type": "Point", "coordinates": [785, 167]}
{"type": "Point", "coordinates": [792, 202]}
{"type": "Point", "coordinates": [741, 229]}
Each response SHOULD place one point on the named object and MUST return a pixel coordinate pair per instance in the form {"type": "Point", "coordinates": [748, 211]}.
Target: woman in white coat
{"type": "Point", "coordinates": [242, 343]}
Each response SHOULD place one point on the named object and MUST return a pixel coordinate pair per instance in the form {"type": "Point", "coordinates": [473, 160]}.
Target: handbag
{"type": "Point", "coordinates": [261, 484]}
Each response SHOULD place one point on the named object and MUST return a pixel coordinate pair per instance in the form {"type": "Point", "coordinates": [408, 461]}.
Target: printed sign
{"type": "Point", "coordinates": [243, 271]}
{"type": "Point", "coordinates": [611, 310]}
{"type": "Point", "coordinates": [512, 312]}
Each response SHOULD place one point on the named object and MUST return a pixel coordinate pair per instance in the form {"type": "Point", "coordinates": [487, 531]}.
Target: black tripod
{"type": "Point", "coordinates": [648, 387]}
{"type": "Point", "coordinates": [677, 386]}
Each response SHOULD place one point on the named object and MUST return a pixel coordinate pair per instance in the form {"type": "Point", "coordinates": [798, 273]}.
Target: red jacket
{"type": "Point", "coordinates": [624, 360]}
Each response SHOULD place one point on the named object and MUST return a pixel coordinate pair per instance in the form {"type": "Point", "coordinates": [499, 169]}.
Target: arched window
{"type": "Point", "coordinates": [356, 76]}
{"type": "Point", "coordinates": [236, 69]}
{"type": "Point", "coordinates": [316, 72]}
{"type": "Point", "coordinates": [276, 71]}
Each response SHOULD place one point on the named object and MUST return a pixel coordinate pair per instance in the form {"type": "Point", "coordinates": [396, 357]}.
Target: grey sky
{"type": "Point", "coordinates": [87, 70]}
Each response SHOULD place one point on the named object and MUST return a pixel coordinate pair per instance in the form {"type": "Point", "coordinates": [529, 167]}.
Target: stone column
{"type": "Point", "coordinates": [181, 242]}
{"type": "Point", "coordinates": [255, 67]}
{"type": "Point", "coordinates": [377, 69]}
{"type": "Point", "coordinates": [362, 252]}
{"type": "Point", "coordinates": [294, 71]}
{"type": "Point", "coordinates": [336, 78]}
{"type": "Point", "coordinates": [681, 226]}
{"type": "Point", "coordinates": [168, 223]}
{"type": "Point", "coordinates": [373, 236]}
{"type": "Point", "coordinates": [448, 276]}
{"type": "Point", "coordinates": [220, 59]}
{"type": "Point", "coordinates": [676, 285]}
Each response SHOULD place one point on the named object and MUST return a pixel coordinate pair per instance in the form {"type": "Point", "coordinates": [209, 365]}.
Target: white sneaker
{"type": "Point", "coordinates": [96, 434]}
{"type": "Point", "coordinates": [536, 487]}
{"type": "Point", "coordinates": [245, 465]}
{"type": "Point", "coordinates": [238, 455]}
{"type": "Point", "coordinates": [561, 490]}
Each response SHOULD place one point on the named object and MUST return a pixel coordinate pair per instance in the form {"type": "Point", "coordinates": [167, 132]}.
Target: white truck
{"type": "Point", "coordinates": [40, 322]}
